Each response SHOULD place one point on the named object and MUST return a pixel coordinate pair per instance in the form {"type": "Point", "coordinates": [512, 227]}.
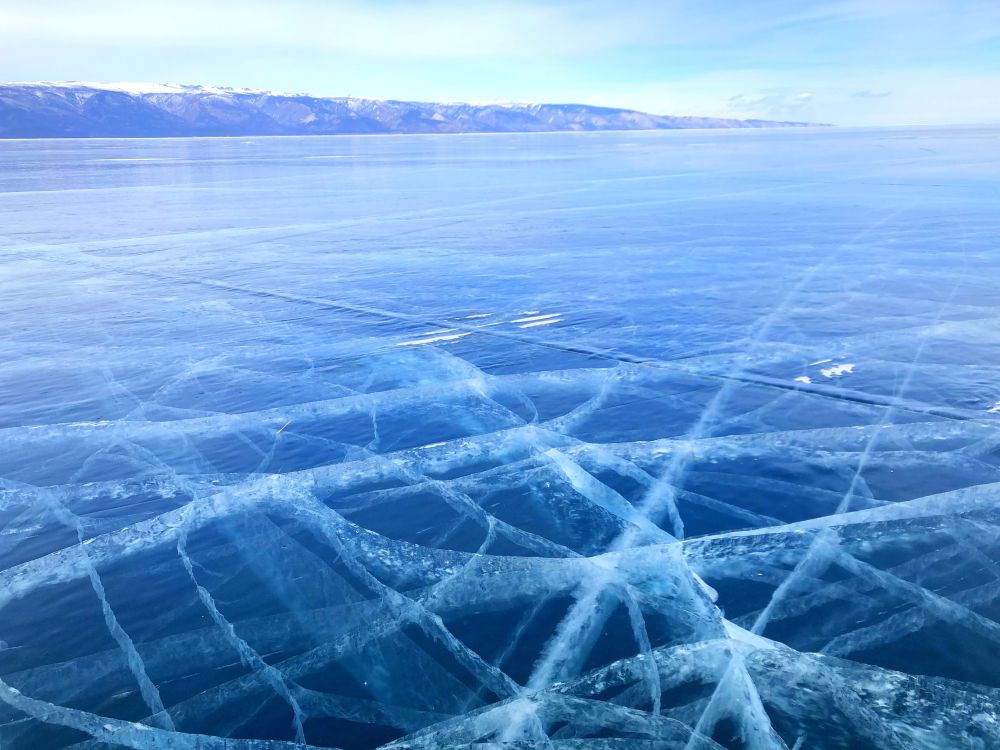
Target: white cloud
{"type": "Point", "coordinates": [919, 96]}
{"type": "Point", "coordinates": [771, 104]}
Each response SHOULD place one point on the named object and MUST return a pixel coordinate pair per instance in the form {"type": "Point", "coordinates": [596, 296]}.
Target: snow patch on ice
{"type": "Point", "coordinates": [434, 339]}
{"type": "Point", "coordinates": [541, 323]}
{"type": "Point", "coordinates": [837, 370]}
{"type": "Point", "coordinates": [533, 318]}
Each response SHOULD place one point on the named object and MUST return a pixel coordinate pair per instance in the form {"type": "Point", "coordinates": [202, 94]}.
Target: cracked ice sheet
{"type": "Point", "coordinates": [624, 492]}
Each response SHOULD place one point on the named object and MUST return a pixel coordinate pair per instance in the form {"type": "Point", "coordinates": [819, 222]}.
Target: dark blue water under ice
{"type": "Point", "coordinates": [574, 441]}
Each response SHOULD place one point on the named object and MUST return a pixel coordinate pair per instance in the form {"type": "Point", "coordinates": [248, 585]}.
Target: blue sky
{"type": "Point", "coordinates": [850, 62]}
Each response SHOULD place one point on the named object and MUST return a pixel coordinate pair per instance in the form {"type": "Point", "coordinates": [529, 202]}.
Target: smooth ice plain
{"type": "Point", "coordinates": [585, 441]}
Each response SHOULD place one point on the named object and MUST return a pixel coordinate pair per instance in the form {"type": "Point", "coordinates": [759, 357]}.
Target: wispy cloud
{"type": "Point", "coordinates": [772, 104]}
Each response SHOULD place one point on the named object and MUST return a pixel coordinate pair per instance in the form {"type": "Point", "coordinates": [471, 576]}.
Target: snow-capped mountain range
{"type": "Point", "coordinates": [87, 110]}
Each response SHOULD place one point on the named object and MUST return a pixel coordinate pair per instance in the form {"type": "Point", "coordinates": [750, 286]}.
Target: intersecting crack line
{"type": "Point", "coordinates": [148, 690]}
{"type": "Point", "coordinates": [248, 655]}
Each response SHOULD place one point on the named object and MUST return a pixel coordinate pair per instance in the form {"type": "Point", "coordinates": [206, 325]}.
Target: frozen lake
{"type": "Point", "coordinates": [600, 441]}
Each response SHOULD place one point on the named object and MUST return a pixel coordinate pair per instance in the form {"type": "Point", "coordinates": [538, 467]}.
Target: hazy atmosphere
{"type": "Point", "coordinates": [849, 62]}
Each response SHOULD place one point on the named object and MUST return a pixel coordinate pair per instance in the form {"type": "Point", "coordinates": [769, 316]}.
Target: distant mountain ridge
{"type": "Point", "coordinates": [94, 110]}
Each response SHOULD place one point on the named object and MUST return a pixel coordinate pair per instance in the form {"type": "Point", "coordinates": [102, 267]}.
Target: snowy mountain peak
{"type": "Point", "coordinates": [52, 109]}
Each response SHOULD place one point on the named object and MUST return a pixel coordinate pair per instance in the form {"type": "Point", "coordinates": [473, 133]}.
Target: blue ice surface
{"type": "Point", "coordinates": [575, 441]}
